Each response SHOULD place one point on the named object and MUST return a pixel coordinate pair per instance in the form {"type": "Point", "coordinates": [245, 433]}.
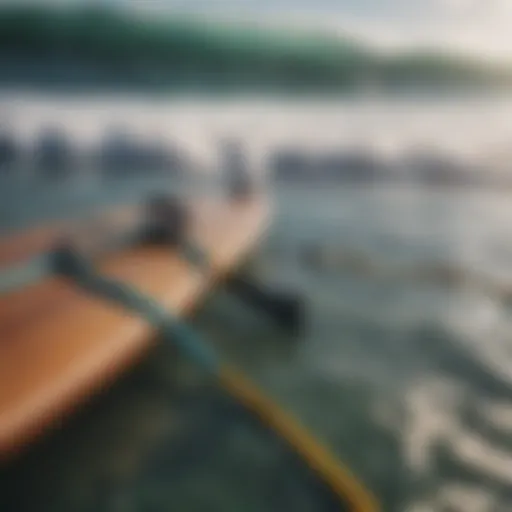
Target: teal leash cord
{"type": "Point", "coordinates": [70, 265]}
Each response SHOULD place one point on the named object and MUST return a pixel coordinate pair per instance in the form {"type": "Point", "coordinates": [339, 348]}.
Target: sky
{"type": "Point", "coordinates": [476, 27]}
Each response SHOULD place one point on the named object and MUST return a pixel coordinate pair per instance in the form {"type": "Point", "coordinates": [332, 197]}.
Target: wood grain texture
{"type": "Point", "coordinates": [58, 345]}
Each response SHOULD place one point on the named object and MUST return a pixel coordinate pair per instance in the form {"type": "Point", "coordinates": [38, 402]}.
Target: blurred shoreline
{"type": "Point", "coordinates": [73, 46]}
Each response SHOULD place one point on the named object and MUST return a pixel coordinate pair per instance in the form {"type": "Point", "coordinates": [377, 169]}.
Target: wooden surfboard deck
{"type": "Point", "coordinates": [58, 344]}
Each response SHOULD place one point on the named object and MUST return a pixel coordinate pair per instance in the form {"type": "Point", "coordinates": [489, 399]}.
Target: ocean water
{"type": "Point", "coordinates": [418, 369]}
{"type": "Point", "coordinates": [409, 381]}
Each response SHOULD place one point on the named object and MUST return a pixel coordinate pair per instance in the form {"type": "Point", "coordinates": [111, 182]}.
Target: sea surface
{"type": "Point", "coordinates": [408, 380]}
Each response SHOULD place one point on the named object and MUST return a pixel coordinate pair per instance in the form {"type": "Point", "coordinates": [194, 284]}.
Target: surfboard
{"type": "Point", "coordinates": [59, 345]}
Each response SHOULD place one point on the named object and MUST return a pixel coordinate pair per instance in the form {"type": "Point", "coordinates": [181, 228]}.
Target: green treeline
{"type": "Point", "coordinates": [99, 44]}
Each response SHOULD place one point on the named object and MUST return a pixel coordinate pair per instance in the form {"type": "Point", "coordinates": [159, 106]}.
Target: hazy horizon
{"type": "Point", "coordinates": [472, 27]}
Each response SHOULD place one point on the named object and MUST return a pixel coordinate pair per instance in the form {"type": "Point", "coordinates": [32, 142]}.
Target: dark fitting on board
{"type": "Point", "coordinates": [168, 220]}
